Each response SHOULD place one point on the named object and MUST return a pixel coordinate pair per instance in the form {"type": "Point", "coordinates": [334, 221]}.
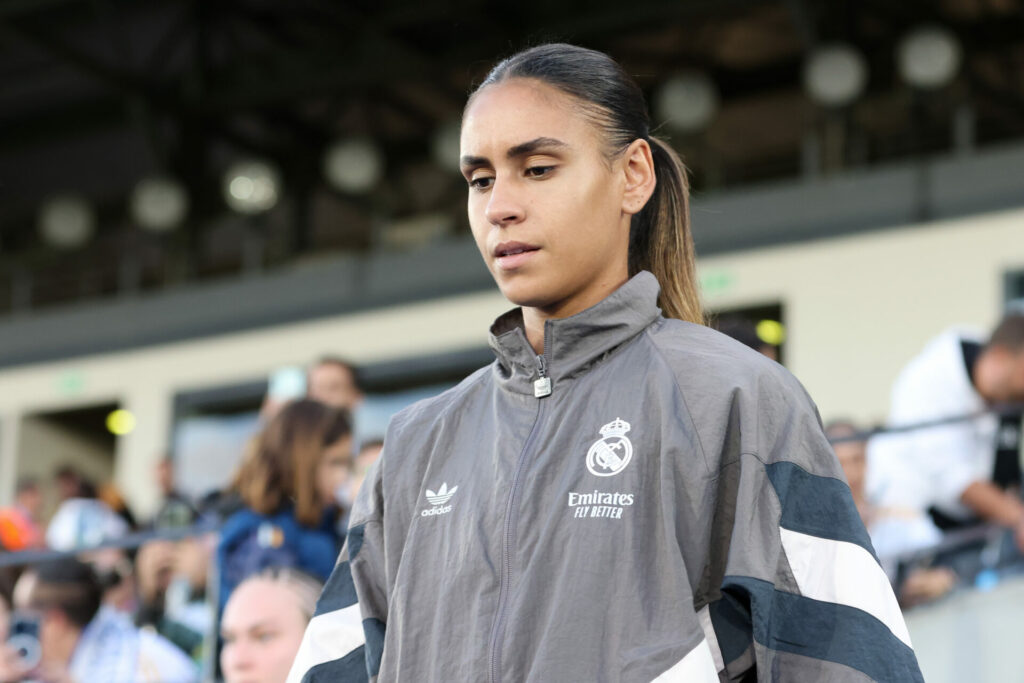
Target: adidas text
{"type": "Point", "coordinates": [437, 510]}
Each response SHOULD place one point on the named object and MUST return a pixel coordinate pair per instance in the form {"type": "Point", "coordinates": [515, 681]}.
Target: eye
{"type": "Point", "coordinates": [539, 171]}
{"type": "Point", "coordinates": [481, 182]}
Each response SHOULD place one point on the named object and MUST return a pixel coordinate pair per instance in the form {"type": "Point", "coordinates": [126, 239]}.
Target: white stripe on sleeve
{"type": "Point", "coordinates": [328, 637]}
{"type": "Point", "coordinates": [843, 573]}
{"type": "Point", "coordinates": [696, 667]}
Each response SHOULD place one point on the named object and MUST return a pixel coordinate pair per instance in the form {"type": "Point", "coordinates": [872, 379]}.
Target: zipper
{"type": "Point", "coordinates": [542, 385]}
{"type": "Point", "coordinates": [541, 388]}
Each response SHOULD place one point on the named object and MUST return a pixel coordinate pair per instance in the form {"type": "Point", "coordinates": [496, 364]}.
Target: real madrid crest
{"type": "Point", "coordinates": [612, 452]}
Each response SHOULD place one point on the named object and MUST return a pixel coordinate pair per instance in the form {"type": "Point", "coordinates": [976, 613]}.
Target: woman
{"type": "Point", "coordinates": [287, 485]}
{"type": "Point", "coordinates": [263, 624]}
{"type": "Point", "coordinates": [625, 494]}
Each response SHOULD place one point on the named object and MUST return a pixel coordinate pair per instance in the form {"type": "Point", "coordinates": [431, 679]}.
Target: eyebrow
{"type": "Point", "coordinates": [520, 150]}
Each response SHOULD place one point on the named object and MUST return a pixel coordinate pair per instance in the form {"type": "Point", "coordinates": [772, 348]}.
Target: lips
{"type": "Point", "coordinates": [512, 255]}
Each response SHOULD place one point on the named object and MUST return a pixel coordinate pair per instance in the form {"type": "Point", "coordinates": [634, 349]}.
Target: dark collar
{"type": "Point", "coordinates": [572, 345]}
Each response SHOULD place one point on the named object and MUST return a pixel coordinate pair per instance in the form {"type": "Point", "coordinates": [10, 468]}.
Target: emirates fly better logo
{"type": "Point", "coordinates": [438, 500]}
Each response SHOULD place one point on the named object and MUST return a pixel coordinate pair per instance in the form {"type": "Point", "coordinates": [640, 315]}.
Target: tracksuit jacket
{"type": "Point", "coordinates": [648, 500]}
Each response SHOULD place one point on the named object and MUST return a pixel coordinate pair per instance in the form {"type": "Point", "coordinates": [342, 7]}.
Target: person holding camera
{"type": "Point", "coordinates": [63, 634]}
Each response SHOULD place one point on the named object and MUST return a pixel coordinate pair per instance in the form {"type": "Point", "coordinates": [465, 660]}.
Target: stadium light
{"type": "Point", "coordinates": [446, 143]}
{"type": "Point", "coordinates": [928, 57]}
{"type": "Point", "coordinates": [354, 165]}
{"type": "Point", "coordinates": [835, 75]}
{"type": "Point", "coordinates": [251, 187]}
{"type": "Point", "coordinates": [159, 204]}
{"type": "Point", "coordinates": [687, 102]}
{"type": "Point", "coordinates": [66, 222]}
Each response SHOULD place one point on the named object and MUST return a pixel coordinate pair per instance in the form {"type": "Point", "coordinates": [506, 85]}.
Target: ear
{"type": "Point", "coordinates": [640, 180]}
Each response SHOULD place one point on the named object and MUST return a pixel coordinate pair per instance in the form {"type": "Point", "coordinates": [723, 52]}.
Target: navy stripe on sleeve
{"type": "Point", "coordinates": [339, 591]}
{"type": "Point", "coordinates": [819, 506]}
{"type": "Point", "coordinates": [824, 630]}
{"type": "Point", "coordinates": [349, 669]}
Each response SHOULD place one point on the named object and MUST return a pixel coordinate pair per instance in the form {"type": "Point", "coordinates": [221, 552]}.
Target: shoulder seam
{"type": "Point", "coordinates": [682, 395]}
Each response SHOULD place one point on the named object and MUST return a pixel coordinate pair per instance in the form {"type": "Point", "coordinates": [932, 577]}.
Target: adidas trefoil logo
{"type": "Point", "coordinates": [442, 496]}
{"type": "Point", "coordinates": [438, 500]}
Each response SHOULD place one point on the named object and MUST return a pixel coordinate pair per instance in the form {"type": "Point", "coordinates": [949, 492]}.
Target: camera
{"type": "Point", "coordinates": [24, 638]}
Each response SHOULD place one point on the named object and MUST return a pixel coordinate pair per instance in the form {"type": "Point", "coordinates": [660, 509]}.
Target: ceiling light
{"type": "Point", "coordinates": [354, 165]}
{"type": "Point", "coordinates": [159, 204]}
{"type": "Point", "coordinates": [251, 187]}
{"type": "Point", "coordinates": [687, 101]}
{"type": "Point", "coordinates": [928, 57]}
{"type": "Point", "coordinates": [835, 75]}
{"type": "Point", "coordinates": [66, 222]}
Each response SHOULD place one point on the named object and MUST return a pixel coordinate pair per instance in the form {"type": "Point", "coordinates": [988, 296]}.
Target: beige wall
{"type": "Point", "coordinates": [857, 308]}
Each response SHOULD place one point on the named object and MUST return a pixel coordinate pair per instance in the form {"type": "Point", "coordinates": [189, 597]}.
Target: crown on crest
{"type": "Point", "coordinates": [617, 427]}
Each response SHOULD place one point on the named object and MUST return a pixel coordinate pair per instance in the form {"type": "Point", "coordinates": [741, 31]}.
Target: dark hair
{"type": "Point", "coordinates": [659, 236]}
{"type": "Point", "coordinates": [1009, 333]}
{"type": "Point", "coordinates": [281, 468]}
{"type": "Point", "coordinates": [353, 370]}
{"type": "Point", "coordinates": [70, 586]}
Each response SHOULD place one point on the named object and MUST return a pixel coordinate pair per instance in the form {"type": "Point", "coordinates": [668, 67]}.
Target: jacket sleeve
{"type": "Point", "coordinates": [797, 593]}
{"type": "Point", "coordinates": [345, 638]}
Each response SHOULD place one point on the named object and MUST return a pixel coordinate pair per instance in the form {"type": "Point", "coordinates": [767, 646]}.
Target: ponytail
{"type": "Point", "coordinates": [660, 239]}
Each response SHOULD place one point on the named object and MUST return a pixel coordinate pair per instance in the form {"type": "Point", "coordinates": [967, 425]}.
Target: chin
{"type": "Point", "coordinates": [526, 294]}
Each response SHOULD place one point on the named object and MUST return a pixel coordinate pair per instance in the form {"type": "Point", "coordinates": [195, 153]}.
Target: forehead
{"type": "Point", "coordinates": [259, 601]}
{"type": "Point", "coordinates": [331, 371]}
{"type": "Point", "coordinates": [511, 112]}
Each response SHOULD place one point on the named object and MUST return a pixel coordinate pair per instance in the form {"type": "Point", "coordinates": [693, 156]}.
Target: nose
{"type": "Point", "coordinates": [504, 207]}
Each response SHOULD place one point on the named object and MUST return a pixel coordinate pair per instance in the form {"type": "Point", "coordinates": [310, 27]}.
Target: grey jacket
{"type": "Point", "coordinates": [670, 511]}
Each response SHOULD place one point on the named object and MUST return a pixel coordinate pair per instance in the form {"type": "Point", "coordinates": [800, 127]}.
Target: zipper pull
{"type": "Point", "coordinates": [542, 386]}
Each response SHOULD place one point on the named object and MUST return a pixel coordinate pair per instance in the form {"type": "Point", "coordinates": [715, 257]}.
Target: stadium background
{"type": "Point", "coordinates": [861, 189]}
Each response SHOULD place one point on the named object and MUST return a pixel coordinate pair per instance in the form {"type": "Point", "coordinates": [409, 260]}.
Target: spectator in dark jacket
{"type": "Point", "coordinates": [288, 484]}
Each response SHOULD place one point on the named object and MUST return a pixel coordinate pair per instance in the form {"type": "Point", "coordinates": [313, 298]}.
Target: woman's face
{"type": "Point", "coordinates": [333, 469]}
{"type": "Point", "coordinates": [546, 207]}
{"type": "Point", "coordinates": [262, 629]}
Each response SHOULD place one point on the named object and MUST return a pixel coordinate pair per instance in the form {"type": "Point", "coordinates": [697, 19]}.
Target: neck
{"type": "Point", "coordinates": [535, 317]}
{"type": "Point", "coordinates": [62, 649]}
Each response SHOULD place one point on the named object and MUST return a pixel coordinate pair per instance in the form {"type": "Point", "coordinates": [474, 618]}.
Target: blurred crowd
{"type": "Point", "coordinates": [231, 598]}
{"type": "Point", "coordinates": [221, 586]}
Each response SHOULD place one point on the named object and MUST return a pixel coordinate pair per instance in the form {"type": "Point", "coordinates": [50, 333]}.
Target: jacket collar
{"type": "Point", "coordinates": [572, 345]}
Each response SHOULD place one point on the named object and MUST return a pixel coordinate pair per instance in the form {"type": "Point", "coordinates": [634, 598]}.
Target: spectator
{"type": "Point", "coordinates": [110, 495]}
{"type": "Point", "coordinates": [82, 523]}
{"type": "Point", "coordinates": [172, 589]}
{"type": "Point", "coordinates": [69, 483]}
{"type": "Point", "coordinates": [263, 625]}
{"type": "Point", "coordinates": [335, 382]}
{"type": "Point", "coordinates": [960, 469]}
{"type": "Point", "coordinates": [368, 454]}
{"type": "Point", "coordinates": [893, 531]}
{"type": "Point", "coordinates": [289, 486]}
{"type": "Point", "coordinates": [176, 509]}
{"type": "Point", "coordinates": [19, 524]}
{"type": "Point", "coordinates": [83, 641]}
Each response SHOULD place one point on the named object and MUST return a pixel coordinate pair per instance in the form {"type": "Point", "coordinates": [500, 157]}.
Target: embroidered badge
{"type": "Point", "coordinates": [612, 452]}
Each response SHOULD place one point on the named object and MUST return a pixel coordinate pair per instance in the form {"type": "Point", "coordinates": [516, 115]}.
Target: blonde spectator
{"type": "Point", "coordinates": [263, 625]}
